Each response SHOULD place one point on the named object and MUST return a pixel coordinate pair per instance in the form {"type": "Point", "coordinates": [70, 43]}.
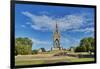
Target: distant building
{"type": "Point", "coordinates": [40, 50]}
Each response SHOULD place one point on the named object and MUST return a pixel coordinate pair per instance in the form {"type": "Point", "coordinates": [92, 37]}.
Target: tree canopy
{"type": "Point", "coordinates": [23, 46]}
{"type": "Point", "coordinates": [86, 45]}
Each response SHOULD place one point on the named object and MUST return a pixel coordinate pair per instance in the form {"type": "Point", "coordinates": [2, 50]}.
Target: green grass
{"type": "Point", "coordinates": [33, 59]}
{"type": "Point", "coordinates": [50, 60]}
{"type": "Point", "coordinates": [81, 59]}
{"type": "Point", "coordinates": [31, 62]}
{"type": "Point", "coordinates": [34, 62]}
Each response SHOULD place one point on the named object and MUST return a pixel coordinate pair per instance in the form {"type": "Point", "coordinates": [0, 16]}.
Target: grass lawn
{"type": "Point", "coordinates": [81, 59]}
{"type": "Point", "coordinates": [30, 62]}
{"type": "Point", "coordinates": [33, 60]}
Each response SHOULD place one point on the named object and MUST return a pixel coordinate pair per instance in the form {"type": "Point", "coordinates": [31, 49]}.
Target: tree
{"type": "Point", "coordinates": [34, 51]}
{"type": "Point", "coordinates": [43, 49]}
{"type": "Point", "coordinates": [77, 49]}
{"type": "Point", "coordinates": [80, 49]}
{"type": "Point", "coordinates": [86, 45]}
{"type": "Point", "coordinates": [23, 46]}
{"type": "Point", "coordinates": [16, 52]}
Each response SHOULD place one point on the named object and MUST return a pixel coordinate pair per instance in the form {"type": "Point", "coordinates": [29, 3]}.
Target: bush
{"type": "Point", "coordinates": [34, 51]}
{"type": "Point", "coordinates": [80, 49]}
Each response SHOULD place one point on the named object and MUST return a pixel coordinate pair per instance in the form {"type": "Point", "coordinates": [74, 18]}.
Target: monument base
{"type": "Point", "coordinates": [56, 48]}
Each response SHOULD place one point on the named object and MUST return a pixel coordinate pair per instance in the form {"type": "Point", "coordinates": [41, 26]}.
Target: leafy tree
{"type": "Point", "coordinates": [77, 49]}
{"type": "Point", "coordinates": [34, 51]}
{"type": "Point", "coordinates": [16, 52]}
{"type": "Point", "coordinates": [23, 46]}
{"type": "Point", "coordinates": [43, 49]}
{"type": "Point", "coordinates": [86, 45]}
{"type": "Point", "coordinates": [80, 49]}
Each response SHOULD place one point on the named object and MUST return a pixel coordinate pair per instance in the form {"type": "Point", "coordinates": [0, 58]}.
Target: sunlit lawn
{"type": "Point", "coordinates": [81, 59]}
{"type": "Point", "coordinates": [34, 59]}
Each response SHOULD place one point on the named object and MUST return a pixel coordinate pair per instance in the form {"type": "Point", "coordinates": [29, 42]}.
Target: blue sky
{"type": "Point", "coordinates": [37, 22]}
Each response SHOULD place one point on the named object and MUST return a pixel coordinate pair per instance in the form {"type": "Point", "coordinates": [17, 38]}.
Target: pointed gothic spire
{"type": "Point", "coordinates": [56, 27]}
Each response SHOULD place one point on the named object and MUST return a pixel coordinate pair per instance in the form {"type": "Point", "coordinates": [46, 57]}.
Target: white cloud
{"type": "Point", "coordinates": [44, 22]}
{"type": "Point", "coordinates": [68, 41]}
{"type": "Point", "coordinates": [86, 30]}
{"type": "Point", "coordinates": [40, 42]}
{"type": "Point", "coordinates": [35, 27]}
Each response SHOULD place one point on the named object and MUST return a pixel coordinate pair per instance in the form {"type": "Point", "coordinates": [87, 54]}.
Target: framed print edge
{"type": "Point", "coordinates": [12, 49]}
